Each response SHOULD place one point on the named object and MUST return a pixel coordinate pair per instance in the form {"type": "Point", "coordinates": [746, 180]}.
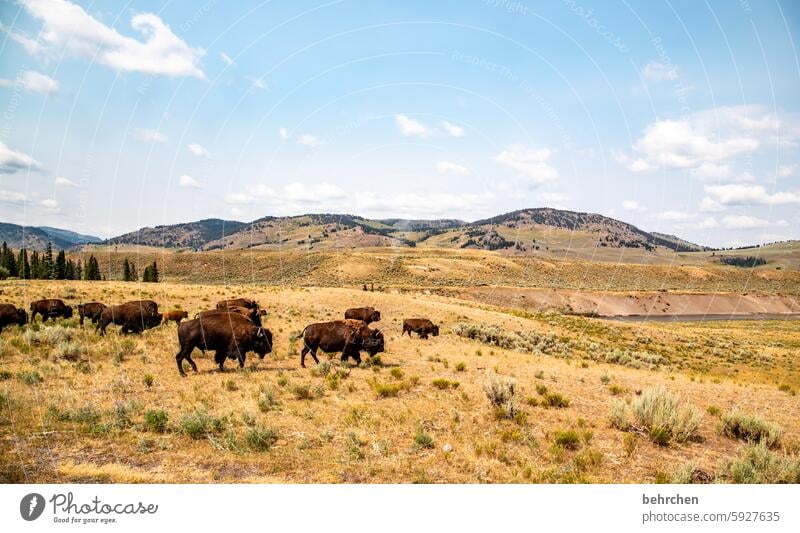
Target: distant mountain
{"type": "Point", "coordinates": [36, 238]}
{"type": "Point", "coordinates": [186, 235]}
{"type": "Point", "coordinates": [522, 231]}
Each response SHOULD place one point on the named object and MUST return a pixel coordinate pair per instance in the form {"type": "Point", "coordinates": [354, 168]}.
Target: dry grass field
{"type": "Point", "coordinates": [574, 398]}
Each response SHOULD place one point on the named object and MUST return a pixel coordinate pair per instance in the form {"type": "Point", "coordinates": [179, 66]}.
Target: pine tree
{"type": "Point", "coordinates": [61, 265]}
{"type": "Point", "coordinates": [69, 269]}
{"type": "Point", "coordinates": [23, 266]}
{"type": "Point", "coordinates": [7, 260]}
{"type": "Point", "coordinates": [36, 268]}
{"type": "Point", "coordinates": [150, 273]}
{"type": "Point", "coordinates": [49, 266]}
{"type": "Point", "coordinates": [134, 273]}
{"type": "Point", "coordinates": [126, 270]}
{"type": "Point", "coordinates": [92, 270]}
{"type": "Point", "coordinates": [78, 270]}
{"type": "Point", "coordinates": [154, 273]}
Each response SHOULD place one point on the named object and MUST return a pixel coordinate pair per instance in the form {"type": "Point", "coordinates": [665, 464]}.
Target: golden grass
{"type": "Point", "coordinates": [84, 421]}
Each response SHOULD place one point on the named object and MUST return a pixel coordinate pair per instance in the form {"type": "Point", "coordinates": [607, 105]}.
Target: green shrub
{"type": "Point", "coordinates": [148, 380]}
{"type": "Point", "coordinates": [713, 410]}
{"type": "Point", "coordinates": [554, 399]}
{"type": "Point", "coordinates": [785, 387]}
{"type": "Point", "coordinates": [302, 392]}
{"type": "Point", "coordinates": [461, 366]}
{"type": "Point", "coordinates": [199, 424]}
{"type": "Point", "coordinates": [750, 428]}
{"type": "Point", "coordinates": [757, 464]}
{"type": "Point", "coordinates": [5, 374]}
{"type": "Point", "coordinates": [230, 385]}
{"type": "Point", "coordinates": [444, 384]}
{"type": "Point", "coordinates": [156, 421]}
{"type": "Point", "coordinates": [422, 439]}
{"type": "Point", "coordinates": [261, 439]}
{"type": "Point", "coordinates": [268, 401]}
{"type": "Point", "coordinates": [616, 390]}
{"type": "Point", "coordinates": [568, 439]}
{"type": "Point", "coordinates": [396, 373]}
{"type": "Point", "coordinates": [386, 390]}
{"type": "Point", "coordinates": [30, 377]}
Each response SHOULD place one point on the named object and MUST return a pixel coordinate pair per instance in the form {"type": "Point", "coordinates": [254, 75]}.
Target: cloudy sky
{"type": "Point", "coordinates": [679, 116]}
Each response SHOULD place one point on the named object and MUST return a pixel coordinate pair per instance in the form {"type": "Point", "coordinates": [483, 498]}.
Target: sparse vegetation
{"type": "Point", "coordinates": [750, 428]}
{"type": "Point", "coordinates": [659, 415]}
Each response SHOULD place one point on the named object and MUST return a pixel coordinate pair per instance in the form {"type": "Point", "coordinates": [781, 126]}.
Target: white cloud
{"type": "Point", "coordinates": [674, 216]}
{"type": "Point", "coordinates": [704, 140]}
{"type": "Point", "coordinates": [743, 222]}
{"type": "Point", "coordinates": [12, 161]}
{"type": "Point", "coordinates": [49, 203]}
{"type": "Point", "coordinates": [283, 133]}
{"type": "Point", "coordinates": [30, 80]}
{"type": "Point", "coordinates": [12, 197]}
{"type": "Point", "coordinates": [198, 151]}
{"type": "Point", "coordinates": [785, 171]}
{"type": "Point", "coordinates": [308, 140]}
{"type": "Point", "coordinates": [32, 46]}
{"type": "Point", "coordinates": [711, 171]}
{"type": "Point", "coordinates": [447, 167]}
{"type": "Point", "coordinates": [735, 194]}
{"type": "Point", "coordinates": [257, 83]}
{"type": "Point", "coordinates": [64, 182]}
{"type": "Point", "coordinates": [148, 135]}
{"type": "Point", "coordinates": [411, 127]}
{"type": "Point", "coordinates": [227, 59]}
{"type": "Point", "coordinates": [657, 71]}
{"type": "Point", "coordinates": [630, 205]}
{"type": "Point", "coordinates": [707, 205]}
{"type": "Point", "coordinates": [239, 199]}
{"type": "Point", "coordinates": [634, 165]}
{"type": "Point", "coordinates": [552, 199]}
{"type": "Point", "coordinates": [530, 161]}
{"type": "Point", "coordinates": [188, 182]}
{"type": "Point", "coordinates": [66, 27]}
{"type": "Point", "coordinates": [452, 129]}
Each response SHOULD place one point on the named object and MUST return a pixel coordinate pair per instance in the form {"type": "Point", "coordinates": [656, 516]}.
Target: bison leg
{"type": "Point", "coordinates": [308, 349]}
{"type": "Point", "coordinates": [219, 358]}
{"type": "Point", "coordinates": [423, 335]}
{"type": "Point", "coordinates": [179, 359]}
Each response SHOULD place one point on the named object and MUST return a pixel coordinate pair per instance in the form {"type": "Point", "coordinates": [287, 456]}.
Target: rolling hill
{"type": "Point", "coordinates": [527, 230]}
{"type": "Point", "coordinates": [36, 238]}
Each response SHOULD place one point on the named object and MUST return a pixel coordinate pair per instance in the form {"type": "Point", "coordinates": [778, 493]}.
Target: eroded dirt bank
{"type": "Point", "coordinates": [633, 303]}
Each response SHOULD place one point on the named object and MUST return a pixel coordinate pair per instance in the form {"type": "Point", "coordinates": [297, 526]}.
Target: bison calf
{"type": "Point", "coordinates": [421, 326]}
{"type": "Point", "coordinates": [365, 314]}
{"type": "Point", "coordinates": [176, 315]}
{"type": "Point", "coordinates": [9, 314]}
{"type": "Point", "coordinates": [229, 335]}
{"type": "Point", "coordinates": [346, 336]}
{"type": "Point", "coordinates": [91, 310]}
{"type": "Point", "coordinates": [51, 308]}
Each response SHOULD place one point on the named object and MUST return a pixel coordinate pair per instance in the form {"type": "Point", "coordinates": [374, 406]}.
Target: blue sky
{"type": "Point", "coordinates": [681, 117]}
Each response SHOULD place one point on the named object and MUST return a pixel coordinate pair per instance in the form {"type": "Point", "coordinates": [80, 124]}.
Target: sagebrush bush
{"type": "Point", "coordinates": [659, 414]}
{"type": "Point", "coordinates": [567, 438]}
{"type": "Point", "coordinates": [422, 439]}
{"type": "Point", "coordinates": [199, 424]}
{"type": "Point", "coordinates": [758, 464]}
{"type": "Point", "coordinates": [260, 439]}
{"type": "Point", "coordinates": [501, 392]}
{"type": "Point", "coordinates": [386, 390]}
{"type": "Point", "coordinates": [69, 351]}
{"type": "Point", "coordinates": [521, 341]}
{"type": "Point", "coordinates": [48, 335]}
{"type": "Point", "coordinates": [444, 384]}
{"type": "Point", "coordinates": [750, 428]}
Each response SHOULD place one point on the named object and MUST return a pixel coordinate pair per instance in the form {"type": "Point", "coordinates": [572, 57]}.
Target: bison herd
{"type": "Point", "coordinates": [231, 330]}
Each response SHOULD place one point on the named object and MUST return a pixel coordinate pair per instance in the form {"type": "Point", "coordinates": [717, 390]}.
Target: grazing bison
{"type": "Point", "coordinates": [229, 335]}
{"type": "Point", "coordinates": [238, 302]}
{"type": "Point", "coordinates": [91, 311]}
{"type": "Point", "coordinates": [254, 315]}
{"type": "Point", "coordinates": [176, 315]}
{"type": "Point", "coordinates": [365, 314]}
{"type": "Point", "coordinates": [148, 306]}
{"type": "Point", "coordinates": [52, 308]}
{"type": "Point", "coordinates": [421, 326]}
{"type": "Point", "coordinates": [346, 336]}
{"type": "Point", "coordinates": [11, 315]}
{"type": "Point", "coordinates": [134, 317]}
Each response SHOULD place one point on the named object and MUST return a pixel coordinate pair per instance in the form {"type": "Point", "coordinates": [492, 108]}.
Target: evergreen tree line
{"type": "Point", "coordinates": [42, 266]}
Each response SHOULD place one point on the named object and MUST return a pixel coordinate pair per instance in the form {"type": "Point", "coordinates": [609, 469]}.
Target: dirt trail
{"type": "Point", "coordinates": [634, 303]}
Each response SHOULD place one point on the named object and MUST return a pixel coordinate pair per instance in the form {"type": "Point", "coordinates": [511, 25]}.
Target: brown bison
{"type": "Point", "coordinates": [421, 326]}
{"type": "Point", "coordinates": [238, 302]}
{"type": "Point", "coordinates": [11, 315]}
{"type": "Point", "coordinates": [365, 314]}
{"type": "Point", "coordinates": [91, 311]}
{"type": "Point", "coordinates": [229, 335]}
{"type": "Point", "coordinates": [52, 308]}
{"type": "Point", "coordinates": [176, 315]}
{"type": "Point", "coordinates": [254, 315]}
{"type": "Point", "coordinates": [134, 317]}
{"type": "Point", "coordinates": [346, 336]}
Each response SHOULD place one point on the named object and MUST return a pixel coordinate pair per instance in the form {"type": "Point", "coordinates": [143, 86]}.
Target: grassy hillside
{"type": "Point", "coordinates": [77, 408]}
{"type": "Point", "coordinates": [432, 267]}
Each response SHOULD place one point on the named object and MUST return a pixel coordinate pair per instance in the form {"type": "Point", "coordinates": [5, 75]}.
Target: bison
{"type": "Point", "coordinates": [365, 314]}
{"type": "Point", "coordinates": [176, 315]}
{"type": "Point", "coordinates": [346, 336]}
{"type": "Point", "coordinates": [229, 335]}
{"type": "Point", "coordinates": [51, 308]}
{"type": "Point", "coordinates": [91, 311]}
{"type": "Point", "coordinates": [238, 302]}
{"type": "Point", "coordinates": [134, 317]}
{"type": "Point", "coordinates": [421, 326]}
{"type": "Point", "coordinates": [254, 315]}
{"type": "Point", "coordinates": [11, 315]}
